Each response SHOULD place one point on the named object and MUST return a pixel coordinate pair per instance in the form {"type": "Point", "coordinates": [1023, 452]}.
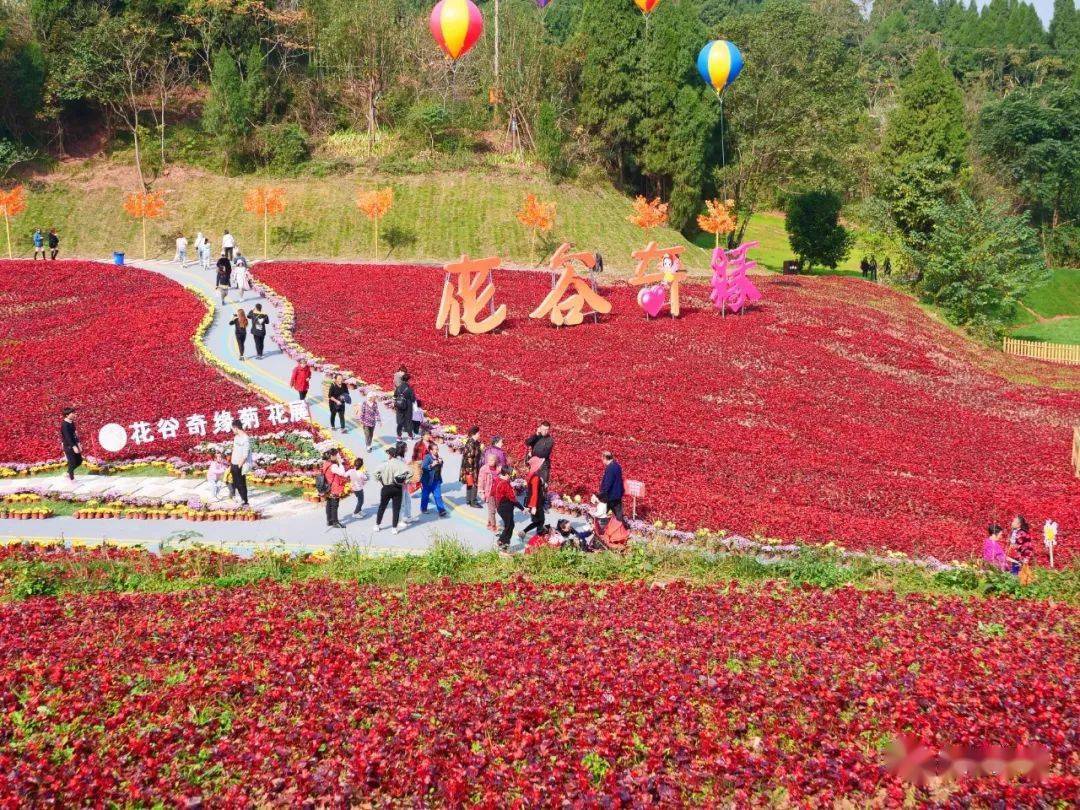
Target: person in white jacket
{"type": "Point", "coordinates": [241, 279]}
{"type": "Point", "coordinates": [228, 245]}
{"type": "Point", "coordinates": [240, 461]}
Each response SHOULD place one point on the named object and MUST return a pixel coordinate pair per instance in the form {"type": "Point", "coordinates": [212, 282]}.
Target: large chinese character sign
{"type": "Point", "coordinates": [467, 290]}
{"type": "Point", "coordinates": [731, 287]}
{"type": "Point", "coordinates": [584, 300]}
{"type": "Point", "coordinates": [659, 287]}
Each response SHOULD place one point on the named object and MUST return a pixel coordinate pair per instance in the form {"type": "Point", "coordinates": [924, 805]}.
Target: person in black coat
{"type": "Point", "coordinates": [338, 397]}
{"type": "Point", "coordinates": [69, 437]}
{"type": "Point", "coordinates": [540, 446]}
{"type": "Point", "coordinates": [404, 399]}
{"type": "Point", "coordinates": [611, 486]}
{"type": "Point", "coordinates": [259, 320]}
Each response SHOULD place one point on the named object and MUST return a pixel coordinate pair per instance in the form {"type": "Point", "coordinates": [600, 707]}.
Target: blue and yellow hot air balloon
{"type": "Point", "coordinates": [719, 64]}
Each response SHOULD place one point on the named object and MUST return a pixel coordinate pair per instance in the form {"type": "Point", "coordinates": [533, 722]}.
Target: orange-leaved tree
{"type": "Point", "coordinates": [536, 215]}
{"type": "Point", "coordinates": [265, 202]}
{"type": "Point", "coordinates": [375, 204]}
{"type": "Point", "coordinates": [12, 203]}
{"type": "Point", "coordinates": [718, 219]}
{"type": "Point", "coordinates": [144, 205]}
{"type": "Point", "coordinates": [649, 214]}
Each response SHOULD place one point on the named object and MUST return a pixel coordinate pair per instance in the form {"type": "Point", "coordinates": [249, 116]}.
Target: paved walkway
{"type": "Point", "coordinates": [300, 525]}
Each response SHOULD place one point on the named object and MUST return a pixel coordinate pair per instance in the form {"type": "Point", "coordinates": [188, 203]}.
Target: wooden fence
{"type": "Point", "coordinates": [1068, 353]}
{"type": "Point", "coordinates": [1076, 451]}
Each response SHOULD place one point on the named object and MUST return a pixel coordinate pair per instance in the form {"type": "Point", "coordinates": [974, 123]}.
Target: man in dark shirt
{"type": "Point", "coordinates": [404, 399]}
{"type": "Point", "coordinates": [540, 446]}
{"type": "Point", "coordinates": [611, 486]}
{"type": "Point", "coordinates": [54, 243]}
{"type": "Point", "coordinates": [338, 398]}
{"type": "Point", "coordinates": [259, 320]}
{"type": "Point", "coordinates": [69, 437]}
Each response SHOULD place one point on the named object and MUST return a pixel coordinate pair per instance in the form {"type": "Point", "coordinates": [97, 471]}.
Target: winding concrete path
{"type": "Point", "coordinates": [303, 526]}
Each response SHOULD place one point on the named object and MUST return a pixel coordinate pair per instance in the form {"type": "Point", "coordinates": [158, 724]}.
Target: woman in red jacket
{"type": "Point", "coordinates": [301, 379]}
{"type": "Point", "coordinates": [505, 504]}
{"type": "Point", "coordinates": [333, 470]}
{"type": "Point", "coordinates": [535, 496]}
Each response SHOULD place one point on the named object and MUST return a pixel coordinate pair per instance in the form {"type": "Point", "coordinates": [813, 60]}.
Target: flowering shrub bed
{"type": "Point", "coordinates": [114, 342]}
{"type": "Point", "coordinates": [446, 695]}
{"type": "Point", "coordinates": [833, 411]}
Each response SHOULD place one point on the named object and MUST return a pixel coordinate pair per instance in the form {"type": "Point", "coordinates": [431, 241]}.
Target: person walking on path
{"type": "Point", "coordinates": [241, 279]}
{"type": "Point", "coordinates": [240, 460]}
{"type": "Point", "coordinates": [228, 245]}
{"type": "Point", "coordinates": [333, 472]}
{"type": "Point", "coordinates": [240, 323]}
{"type": "Point", "coordinates": [39, 244]}
{"type": "Point", "coordinates": [368, 417]}
{"type": "Point", "coordinates": [470, 466]}
{"type": "Point", "coordinates": [338, 397]}
{"type": "Point", "coordinates": [69, 438]}
{"type": "Point", "coordinates": [412, 485]}
{"type": "Point", "coordinates": [535, 497]}
{"type": "Point", "coordinates": [358, 479]}
{"type": "Point", "coordinates": [391, 476]}
{"type": "Point", "coordinates": [300, 381]}
{"type": "Point", "coordinates": [611, 486]}
{"type": "Point", "coordinates": [485, 487]}
{"type": "Point", "coordinates": [404, 398]}
{"type": "Point", "coordinates": [431, 479]}
{"type": "Point", "coordinates": [540, 446]}
{"type": "Point", "coordinates": [259, 320]}
{"type": "Point", "coordinates": [224, 277]}
{"type": "Point", "coordinates": [181, 250]}
{"type": "Point", "coordinates": [54, 243]}
{"type": "Point", "coordinates": [505, 504]}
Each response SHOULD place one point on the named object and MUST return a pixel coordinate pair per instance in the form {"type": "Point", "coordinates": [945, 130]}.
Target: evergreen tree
{"type": "Point", "coordinates": [812, 222]}
{"type": "Point", "coordinates": [1065, 27]}
{"type": "Point", "coordinates": [226, 113]}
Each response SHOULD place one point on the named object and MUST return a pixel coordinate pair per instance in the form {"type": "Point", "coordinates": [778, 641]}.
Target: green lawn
{"type": "Point", "coordinates": [435, 216]}
{"type": "Point", "coordinates": [1059, 298]}
{"type": "Point", "coordinates": [767, 227]}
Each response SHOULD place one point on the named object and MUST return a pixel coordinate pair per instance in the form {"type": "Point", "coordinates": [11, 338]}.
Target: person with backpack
{"type": "Point", "coordinates": [259, 321]}
{"type": "Point", "coordinates": [300, 381]}
{"type": "Point", "coordinates": [240, 323]}
{"type": "Point", "coordinates": [392, 476]}
{"type": "Point", "coordinates": [505, 504]}
{"type": "Point", "coordinates": [470, 466]}
{"type": "Point", "coordinates": [330, 483]}
{"type": "Point", "coordinates": [540, 446]}
{"type": "Point", "coordinates": [224, 277]}
{"type": "Point", "coordinates": [54, 243]}
{"type": "Point", "coordinates": [431, 479]}
{"type": "Point", "coordinates": [338, 397]}
{"type": "Point", "coordinates": [404, 399]}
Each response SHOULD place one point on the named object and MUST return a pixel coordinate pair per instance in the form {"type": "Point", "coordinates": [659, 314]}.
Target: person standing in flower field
{"type": "Point", "coordinates": [611, 486]}
{"type": "Point", "coordinates": [470, 466]}
{"type": "Point", "coordinates": [540, 446]}
{"type": "Point", "coordinates": [54, 243]}
{"type": "Point", "coordinates": [300, 381]}
{"type": "Point", "coordinates": [259, 320]}
{"type": "Point", "coordinates": [368, 417]}
{"type": "Point", "coordinates": [240, 460]}
{"type": "Point", "coordinates": [1021, 547]}
{"type": "Point", "coordinates": [39, 244]}
{"type": "Point", "coordinates": [69, 438]}
{"type": "Point", "coordinates": [993, 553]}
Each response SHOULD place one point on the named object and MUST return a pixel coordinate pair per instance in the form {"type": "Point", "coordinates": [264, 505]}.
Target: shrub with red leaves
{"type": "Point", "coordinates": [835, 410]}
{"type": "Point", "coordinates": [614, 695]}
{"type": "Point", "coordinates": [114, 342]}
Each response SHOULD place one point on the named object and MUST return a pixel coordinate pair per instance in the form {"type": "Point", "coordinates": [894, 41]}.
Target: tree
{"type": "Point", "coordinates": [12, 203]}
{"type": "Point", "coordinates": [375, 205]}
{"type": "Point", "coordinates": [718, 219]}
{"type": "Point", "coordinates": [551, 142]}
{"type": "Point", "coordinates": [1033, 136]}
{"type": "Point", "coordinates": [226, 112]}
{"type": "Point", "coordinates": [977, 263]}
{"type": "Point", "coordinates": [265, 202]}
{"type": "Point", "coordinates": [537, 216]}
{"type": "Point", "coordinates": [793, 116]}
{"type": "Point", "coordinates": [814, 229]}
{"type": "Point", "coordinates": [143, 206]}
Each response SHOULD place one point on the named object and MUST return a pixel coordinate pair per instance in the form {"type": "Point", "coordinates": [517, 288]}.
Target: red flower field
{"type": "Point", "coordinates": [113, 341]}
{"type": "Point", "coordinates": [620, 695]}
{"type": "Point", "coordinates": [835, 410]}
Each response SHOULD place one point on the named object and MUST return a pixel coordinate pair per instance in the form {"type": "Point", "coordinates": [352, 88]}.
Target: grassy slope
{"type": "Point", "coordinates": [1059, 298]}
{"type": "Point", "coordinates": [443, 215]}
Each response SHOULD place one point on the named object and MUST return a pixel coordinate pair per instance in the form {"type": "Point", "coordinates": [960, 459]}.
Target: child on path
{"type": "Point", "coordinates": [215, 473]}
{"type": "Point", "coordinates": [357, 481]}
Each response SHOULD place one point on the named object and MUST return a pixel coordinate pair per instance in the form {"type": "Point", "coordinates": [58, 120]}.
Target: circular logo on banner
{"type": "Point", "coordinates": [112, 437]}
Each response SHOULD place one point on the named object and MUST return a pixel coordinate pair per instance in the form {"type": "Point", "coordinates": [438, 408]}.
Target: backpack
{"type": "Point", "coordinates": [322, 484]}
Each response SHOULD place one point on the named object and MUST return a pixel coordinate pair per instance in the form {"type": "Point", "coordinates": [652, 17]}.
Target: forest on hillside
{"type": "Point", "coordinates": [950, 135]}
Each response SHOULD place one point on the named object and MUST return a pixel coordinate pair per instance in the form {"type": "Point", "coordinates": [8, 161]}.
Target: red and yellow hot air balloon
{"type": "Point", "coordinates": [456, 25]}
{"type": "Point", "coordinates": [647, 6]}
